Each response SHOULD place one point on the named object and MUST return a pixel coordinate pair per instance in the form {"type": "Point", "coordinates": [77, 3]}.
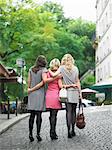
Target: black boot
{"type": "Point", "coordinates": [31, 122]}
{"type": "Point", "coordinates": [73, 132]}
{"type": "Point", "coordinates": [38, 137]}
{"type": "Point", "coordinates": [53, 134]}
{"type": "Point", "coordinates": [38, 123]}
{"type": "Point", "coordinates": [31, 135]}
{"type": "Point", "coordinates": [69, 133]}
{"type": "Point", "coordinates": [55, 128]}
{"type": "Point", "coordinates": [31, 138]}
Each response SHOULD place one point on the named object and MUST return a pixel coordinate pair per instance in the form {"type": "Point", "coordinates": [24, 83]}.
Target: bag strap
{"type": "Point", "coordinates": [80, 108]}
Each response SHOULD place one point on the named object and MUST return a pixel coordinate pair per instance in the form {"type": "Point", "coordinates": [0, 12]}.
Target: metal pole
{"type": "Point", "coordinates": [8, 114]}
{"type": "Point", "coordinates": [16, 105]}
{"type": "Point", "coordinates": [1, 98]}
{"type": "Point", "coordinates": [21, 90]}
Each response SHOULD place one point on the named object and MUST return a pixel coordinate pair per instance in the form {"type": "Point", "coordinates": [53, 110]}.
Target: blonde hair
{"type": "Point", "coordinates": [54, 63]}
{"type": "Point", "coordinates": [68, 61]}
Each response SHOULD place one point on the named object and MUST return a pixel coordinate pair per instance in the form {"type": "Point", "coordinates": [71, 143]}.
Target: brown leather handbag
{"type": "Point", "coordinates": [80, 118]}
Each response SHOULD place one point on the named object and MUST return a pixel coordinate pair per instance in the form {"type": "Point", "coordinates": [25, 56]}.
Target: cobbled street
{"type": "Point", "coordinates": [97, 135]}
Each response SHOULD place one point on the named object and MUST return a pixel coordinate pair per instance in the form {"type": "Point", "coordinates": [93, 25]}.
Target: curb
{"type": "Point", "coordinates": [9, 123]}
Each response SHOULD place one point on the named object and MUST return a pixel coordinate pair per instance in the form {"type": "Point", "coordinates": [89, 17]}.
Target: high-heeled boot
{"type": "Point", "coordinates": [31, 137]}
{"type": "Point", "coordinates": [55, 128]}
{"type": "Point", "coordinates": [53, 134]}
{"type": "Point", "coordinates": [69, 132]}
{"type": "Point", "coordinates": [38, 123]}
{"type": "Point", "coordinates": [31, 121]}
{"type": "Point", "coordinates": [73, 130]}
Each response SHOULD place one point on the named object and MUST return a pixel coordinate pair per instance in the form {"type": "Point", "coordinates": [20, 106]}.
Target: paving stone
{"type": "Point", "coordinates": [97, 135]}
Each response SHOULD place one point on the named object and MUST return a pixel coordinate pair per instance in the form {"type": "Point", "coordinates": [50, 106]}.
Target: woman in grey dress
{"type": "Point", "coordinates": [52, 96]}
{"type": "Point", "coordinates": [71, 82]}
{"type": "Point", "coordinates": [36, 99]}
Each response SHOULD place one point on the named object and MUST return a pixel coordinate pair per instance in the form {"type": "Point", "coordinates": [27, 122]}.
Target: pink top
{"type": "Point", "coordinates": [52, 94]}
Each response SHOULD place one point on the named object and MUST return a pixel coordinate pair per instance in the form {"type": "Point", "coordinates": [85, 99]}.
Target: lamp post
{"type": "Point", "coordinates": [20, 62]}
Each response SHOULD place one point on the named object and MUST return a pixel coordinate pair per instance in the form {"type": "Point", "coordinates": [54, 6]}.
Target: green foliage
{"type": "Point", "coordinates": [42, 29]}
{"type": "Point", "coordinates": [11, 92]}
{"type": "Point", "coordinates": [88, 81]}
{"type": "Point", "coordinates": [85, 31]}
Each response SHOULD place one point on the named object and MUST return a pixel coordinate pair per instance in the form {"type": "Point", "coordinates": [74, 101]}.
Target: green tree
{"type": "Point", "coordinates": [42, 29]}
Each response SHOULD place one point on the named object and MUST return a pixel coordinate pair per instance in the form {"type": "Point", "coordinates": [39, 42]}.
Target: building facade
{"type": "Point", "coordinates": [103, 57]}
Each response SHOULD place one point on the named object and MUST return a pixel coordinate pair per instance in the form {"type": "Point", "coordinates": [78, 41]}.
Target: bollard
{"type": "Point", "coordinates": [16, 105]}
{"type": "Point", "coordinates": [8, 113]}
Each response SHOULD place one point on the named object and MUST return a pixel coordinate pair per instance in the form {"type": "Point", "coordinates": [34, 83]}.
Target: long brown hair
{"type": "Point", "coordinates": [39, 63]}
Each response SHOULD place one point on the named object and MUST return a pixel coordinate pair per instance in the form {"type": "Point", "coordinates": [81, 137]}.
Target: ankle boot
{"type": "Point", "coordinates": [31, 122]}
{"type": "Point", "coordinates": [69, 133]}
{"type": "Point", "coordinates": [56, 136]}
{"type": "Point", "coordinates": [38, 137]}
{"type": "Point", "coordinates": [53, 134]}
{"type": "Point", "coordinates": [38, 123]}
{"type": "Point", "coordinates": [73, 132]}
{"type": "Point", "coordinates": [31, 136]}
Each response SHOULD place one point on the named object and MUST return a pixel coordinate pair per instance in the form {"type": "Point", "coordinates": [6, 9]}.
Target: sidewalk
{"type": "Point", "coordinates": [5, 123]}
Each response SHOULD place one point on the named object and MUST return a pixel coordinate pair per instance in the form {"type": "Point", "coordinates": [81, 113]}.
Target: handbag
{"type": "Point", "coordinates": [80, 118]}
{"type": "Point", "coordinates": [63, 95]}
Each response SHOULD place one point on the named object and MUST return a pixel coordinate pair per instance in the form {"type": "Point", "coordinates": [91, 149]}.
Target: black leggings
{"type": "Point", "coordinates": [38, 121]}
{"type": "Point", "coordinates": [53, 114]}
{"type": "Point", "coordinates": [53, 121]}
{"type": "Point", "coordinates": [70, 114]}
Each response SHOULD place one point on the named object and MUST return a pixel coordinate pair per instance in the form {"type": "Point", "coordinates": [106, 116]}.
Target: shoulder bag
{"type": "Point", "coordinates": [63, 95]}
{"type": "Point", "coordinates": [80, 118]}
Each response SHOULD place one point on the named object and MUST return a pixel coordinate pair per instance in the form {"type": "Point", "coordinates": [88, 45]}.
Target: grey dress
{"type": "Point", "coordinates": [36, 99]}
{"type": "Point", "coordinates": [70, 77]}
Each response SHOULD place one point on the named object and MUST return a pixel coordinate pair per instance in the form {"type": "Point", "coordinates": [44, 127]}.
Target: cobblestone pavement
{"type": "Point", "coordinates": [97, 134]}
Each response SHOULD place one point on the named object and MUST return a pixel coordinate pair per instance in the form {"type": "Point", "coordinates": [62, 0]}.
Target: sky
{"type": "Point", "coordinates": [78, 8]}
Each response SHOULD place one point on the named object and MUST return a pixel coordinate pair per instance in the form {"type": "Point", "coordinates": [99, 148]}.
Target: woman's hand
{"type": "Point", "coordinates": [64, 86]}
{"type": "Point", "coordinates": [74, 85]}
{"type": "Point", "coordinates": [29, 90]}
{"type": "Point", "coordinates": [51, 73]}
{"type": "Point", "coordinates": [59, 76]}
{"type": "Point", "coordinates": [80, 95]}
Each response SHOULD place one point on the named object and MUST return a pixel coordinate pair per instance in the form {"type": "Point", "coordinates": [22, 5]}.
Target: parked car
{"type": "Point", "coordinates": [87, 103]}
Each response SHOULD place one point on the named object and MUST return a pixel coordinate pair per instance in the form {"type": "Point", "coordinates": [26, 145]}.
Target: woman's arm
{"type": "Point", "coordinates": [49, 79]}
{"type": "Point", "coordinates": [53, 74]}
{"type": "Point", "coordinates": [79, 87]}
{"type": "Point", "coordinates": [35, 87]}
{"type": "Point", "coordinates": [45, 79]}
{"type": "Point", "coordinates": [78, 84]}
{"type": "Point", "coordinates": [60, 84]}
{"type": "Point", "coordinates": [29, 80]}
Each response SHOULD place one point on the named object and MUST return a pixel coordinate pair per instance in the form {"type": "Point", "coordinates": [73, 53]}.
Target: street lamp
{"type": "Point", "coordinates": [20, 62]}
